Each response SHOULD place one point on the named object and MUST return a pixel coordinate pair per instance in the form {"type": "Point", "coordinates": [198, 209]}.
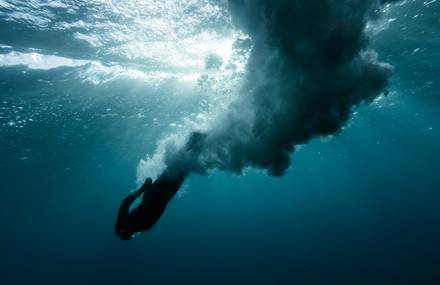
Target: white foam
{"type": "Point", "coordinates": [38, 61]}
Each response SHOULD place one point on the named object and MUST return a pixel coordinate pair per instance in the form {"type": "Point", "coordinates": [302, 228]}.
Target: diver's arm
{"type": "Point", "coordinates": [125, 205]}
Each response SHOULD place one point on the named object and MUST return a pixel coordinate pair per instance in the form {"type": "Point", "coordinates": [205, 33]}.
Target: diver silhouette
{"type": "Point", "coordinates": [154, 201]}
{"type": "Point", "coordinates": [157, 195]}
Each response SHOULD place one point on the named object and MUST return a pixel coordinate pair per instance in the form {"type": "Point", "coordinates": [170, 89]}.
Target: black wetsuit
{"type": "Point", "coordinates": [153, 204]}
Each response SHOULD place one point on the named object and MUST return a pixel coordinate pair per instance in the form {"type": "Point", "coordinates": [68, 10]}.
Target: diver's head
{"type": "Point", "coordinates": [124, 234]}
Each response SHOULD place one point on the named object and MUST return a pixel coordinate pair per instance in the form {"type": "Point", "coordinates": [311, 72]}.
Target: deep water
{"type": "Point", "coordinates": [87, 88]}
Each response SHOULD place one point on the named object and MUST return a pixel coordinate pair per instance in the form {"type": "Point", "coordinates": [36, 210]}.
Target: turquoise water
{"type": "Point", "coordinates": [88, 89]}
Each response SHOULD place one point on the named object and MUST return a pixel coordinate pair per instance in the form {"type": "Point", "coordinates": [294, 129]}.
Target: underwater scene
{"type": "Point", "coordinates": [220, 142]}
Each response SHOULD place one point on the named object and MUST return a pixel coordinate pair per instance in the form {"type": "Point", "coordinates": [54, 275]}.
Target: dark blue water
{"type": "Point", "coordinates": [87, 90]}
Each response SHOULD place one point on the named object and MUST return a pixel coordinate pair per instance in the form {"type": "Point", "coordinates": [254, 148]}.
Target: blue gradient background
{"type": "Point", "coordinates": [360, 208]}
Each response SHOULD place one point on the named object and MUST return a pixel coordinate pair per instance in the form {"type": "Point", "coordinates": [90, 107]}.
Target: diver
{"type": "Point", "coordinates": [154, 201]}
{"type": "Point", "coordinates": [157, 195]}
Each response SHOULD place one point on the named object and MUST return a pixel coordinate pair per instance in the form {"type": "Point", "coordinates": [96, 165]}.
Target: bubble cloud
{"type": "Point", "coordinates": [310, 64]}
